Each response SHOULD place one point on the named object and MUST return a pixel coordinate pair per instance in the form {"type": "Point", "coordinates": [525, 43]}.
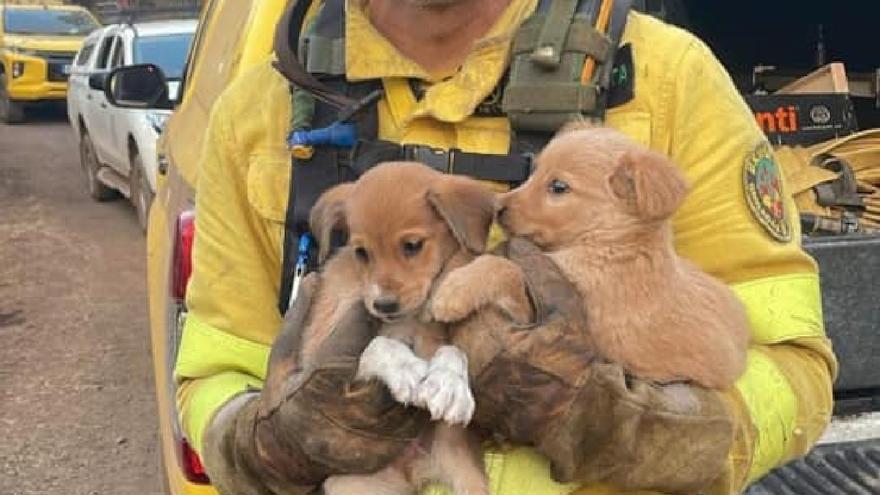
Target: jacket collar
{"type": "Point", "coordinates": [370, 56]}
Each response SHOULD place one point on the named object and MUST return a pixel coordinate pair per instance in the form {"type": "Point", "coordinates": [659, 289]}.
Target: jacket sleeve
{"type": "Point", "coordinates": [232, 318]}
{"type": "Point", "coordinates": [743, 228]}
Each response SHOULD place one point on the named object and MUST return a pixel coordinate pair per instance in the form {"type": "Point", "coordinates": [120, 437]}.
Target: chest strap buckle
{"type": "Point", "coordinates": [437, 158]}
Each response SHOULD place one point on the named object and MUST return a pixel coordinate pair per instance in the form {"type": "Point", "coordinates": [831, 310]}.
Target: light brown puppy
{"type": "Point", "coordinates": [407, 225]}
{"type": "Point", "coordinates": [600, 205]}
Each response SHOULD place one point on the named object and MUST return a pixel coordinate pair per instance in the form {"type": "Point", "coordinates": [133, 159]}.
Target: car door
{"type": "Point", "coordinates": [117, 130]}
{"type": "Point", "coordinates": [78, 83]}
{"type": "Point", "coordinates": [97, 113]}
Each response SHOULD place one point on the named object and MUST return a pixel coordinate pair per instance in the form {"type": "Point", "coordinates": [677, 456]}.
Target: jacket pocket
{"type": "Point", "coordinates": [268, 183]}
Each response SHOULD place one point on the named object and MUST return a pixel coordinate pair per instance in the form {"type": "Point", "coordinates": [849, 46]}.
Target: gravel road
{"type": "Point", "coordinates": [77, 406]}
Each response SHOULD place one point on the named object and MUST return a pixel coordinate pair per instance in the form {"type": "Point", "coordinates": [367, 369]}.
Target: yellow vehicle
{"type": "Point", "coordinates": [233, 35]}
{"type": "Point", "coordinates": [38, 41]}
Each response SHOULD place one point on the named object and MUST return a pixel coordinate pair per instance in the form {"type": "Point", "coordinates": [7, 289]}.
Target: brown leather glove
{"type": "Point", "coordinates": [542, 385]}
{"type": "Point", "coordinates": [311, 420]}
{"type": "Point", "coordinates": [639, 435]}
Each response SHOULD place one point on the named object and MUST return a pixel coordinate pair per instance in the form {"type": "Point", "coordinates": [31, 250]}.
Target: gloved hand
{"type": "Point", "coordinates": [542, 385]}
{"type": "Point", "coordinates": [311, 420]}
{"type": "Point", "coordinates": [638, 435]}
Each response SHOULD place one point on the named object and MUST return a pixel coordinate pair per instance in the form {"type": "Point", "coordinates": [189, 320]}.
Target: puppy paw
{"type": "Point", "coordinates": [445, 391]}
{"type": "Point", "coordinates": [404, 385]}
{"type": "Point", "coordinates": [393, 363]}
{"type": "Point", "coordinates": [454, 299]}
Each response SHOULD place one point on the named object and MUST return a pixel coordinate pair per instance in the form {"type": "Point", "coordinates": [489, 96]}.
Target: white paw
{"type": "Point", "coordinates": [445, 391]}
{"type": "Point", "coordinates": [404, 384]}
{"type": "Point", "coordinates": [394, 363]}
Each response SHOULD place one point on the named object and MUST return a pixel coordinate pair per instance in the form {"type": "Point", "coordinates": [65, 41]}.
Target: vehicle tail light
{"type": "Point", "coordinates": [181, 269]}
{"type": "Point", "coordinates": [191, 464]}
{"type": "Point", "coordinates": [183, 243]}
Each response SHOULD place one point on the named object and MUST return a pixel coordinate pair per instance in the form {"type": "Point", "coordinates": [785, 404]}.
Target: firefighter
{"type": "Point", "coordinates": [439, 63]}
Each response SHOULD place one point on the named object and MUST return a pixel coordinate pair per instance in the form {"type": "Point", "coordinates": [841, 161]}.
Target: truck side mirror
{"type": "Point", "coordinates": [138, 86]}
{"type": "Point", "coordinates": [98, 81]}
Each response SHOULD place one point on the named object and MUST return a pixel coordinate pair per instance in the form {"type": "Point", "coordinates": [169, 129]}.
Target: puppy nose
{"type": "Point", "coordinates": [386, 305]}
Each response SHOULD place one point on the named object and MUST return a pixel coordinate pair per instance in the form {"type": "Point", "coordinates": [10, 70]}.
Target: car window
{"type": "Point", "coordinates": [118, 57]}
{"type": "Point", "coordinates": [85, 53]}
{"type": "Point", "coordinates": [167, 51]}
{"type": "Point", "coordinates": [45, 21]}
{"type": "Point", "coordinates": [104, 52]}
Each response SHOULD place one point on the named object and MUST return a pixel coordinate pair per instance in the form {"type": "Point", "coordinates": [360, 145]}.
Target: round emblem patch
{"type": "Point", "coordinates": [763, 186]}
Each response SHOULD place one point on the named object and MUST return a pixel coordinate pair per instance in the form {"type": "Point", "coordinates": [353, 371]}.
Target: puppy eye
{"type": "Point", "coordinates": [412, 248]}
{"type": "Point", "coordinates": [558, 187]}
{"type": "Point", "coordinates": [361, 254]}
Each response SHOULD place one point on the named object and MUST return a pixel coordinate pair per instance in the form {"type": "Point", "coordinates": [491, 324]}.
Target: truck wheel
{"type": "Point", "coordinates": [89, 161]}
{"type": "Point", "coordinates": [11, 112]}
{"type": "Point", "coordinates": [141, 194]}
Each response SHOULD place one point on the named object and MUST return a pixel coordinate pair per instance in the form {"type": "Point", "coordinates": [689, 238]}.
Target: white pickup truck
{"type": "Point", "coordinates": [117, 145]}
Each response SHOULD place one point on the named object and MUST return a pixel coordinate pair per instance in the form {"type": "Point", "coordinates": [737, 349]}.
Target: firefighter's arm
{"type": "Point", "coordinates": [231, 318]}
{"type": "Point", "coordinates": [232, 297]}
{"type": "Point", "coordinates": [737, 224]}
{"type": "Point", "coordinates": [740, 224]}
{"type": "Point", "coordinates": [264, 421]}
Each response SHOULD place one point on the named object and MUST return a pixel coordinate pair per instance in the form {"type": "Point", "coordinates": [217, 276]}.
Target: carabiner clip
{"type": "Point", "coordinates": [302, 265]}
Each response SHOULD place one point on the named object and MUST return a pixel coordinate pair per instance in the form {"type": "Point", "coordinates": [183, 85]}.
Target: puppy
{"type": "Point", "coordinates": [600, 205]}
{"type": "Point", "coordinates": [407, 225]}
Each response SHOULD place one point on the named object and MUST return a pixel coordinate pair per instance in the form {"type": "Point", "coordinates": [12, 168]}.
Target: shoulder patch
{"type": "Point", "coordinates": [762, 183]}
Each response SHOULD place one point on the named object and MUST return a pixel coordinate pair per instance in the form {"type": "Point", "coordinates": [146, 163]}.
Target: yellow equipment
{"type": "Point", "coordinates": [813, 170]}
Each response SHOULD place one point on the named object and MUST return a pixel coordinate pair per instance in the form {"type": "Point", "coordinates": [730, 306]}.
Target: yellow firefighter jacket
{"type": "Point", "coordinates": [736, 224]}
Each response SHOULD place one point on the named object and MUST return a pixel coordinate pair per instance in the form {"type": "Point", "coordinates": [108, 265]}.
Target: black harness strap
{"type": "Point", "coordinates": [513, 168]}
{"type": "Point", "coordinates": [619, 11]}
{"type": "Point", "coordinates": [328, 166]}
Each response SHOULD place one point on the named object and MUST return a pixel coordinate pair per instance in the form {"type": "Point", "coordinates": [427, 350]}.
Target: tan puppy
{"type": "Point", "coordinates": [600, 205]}
{"type": "Point", "coordinates": [406, 225]}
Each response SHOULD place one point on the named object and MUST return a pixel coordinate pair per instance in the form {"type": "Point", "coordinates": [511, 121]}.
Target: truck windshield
{"type": "Point", "coordinates": [51, 22]}
{"type": "Point", "coordinates": [167, 51]}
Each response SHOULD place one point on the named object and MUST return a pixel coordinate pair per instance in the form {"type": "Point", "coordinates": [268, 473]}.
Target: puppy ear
{"type": "Point", "coordinates": [328, 217]}
{"type": "Point", "coordinates": [467, 206]}
{"type": "Point", "coordinates": [648, 183]}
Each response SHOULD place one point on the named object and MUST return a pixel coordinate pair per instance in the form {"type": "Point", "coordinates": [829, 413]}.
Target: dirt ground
{"type": "Point", "coordinates": [77, 406]}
